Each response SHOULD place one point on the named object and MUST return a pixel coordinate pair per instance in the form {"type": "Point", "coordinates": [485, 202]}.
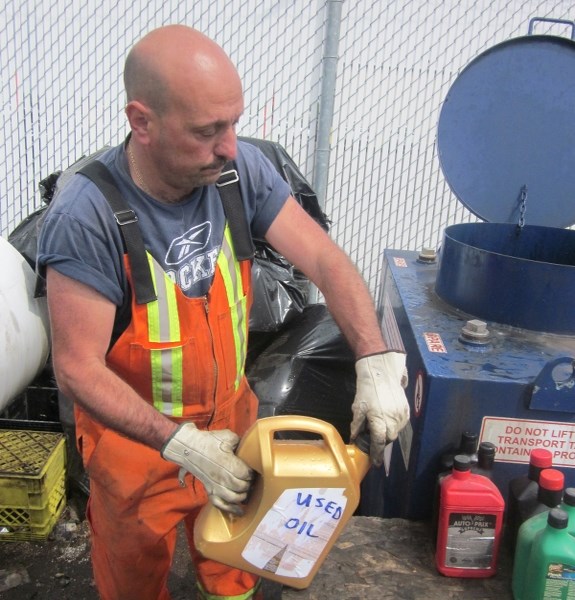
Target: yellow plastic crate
{"type": "Point", "coordinates": [32, 483]}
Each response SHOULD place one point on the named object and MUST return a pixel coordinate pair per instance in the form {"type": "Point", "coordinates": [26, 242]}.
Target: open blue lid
{"type": "Point", "coordinates": [506, 133]}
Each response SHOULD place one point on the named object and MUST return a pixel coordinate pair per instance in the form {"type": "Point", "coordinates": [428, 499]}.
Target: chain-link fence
{"type": "Point", "coordinates": [61, 95]}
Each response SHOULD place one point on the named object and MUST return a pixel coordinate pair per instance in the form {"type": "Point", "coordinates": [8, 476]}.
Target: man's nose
{"type": "Point", "coordinates": [227, 146]}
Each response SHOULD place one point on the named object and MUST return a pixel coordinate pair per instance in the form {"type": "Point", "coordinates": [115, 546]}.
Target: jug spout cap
{"type": "Point", "coordinates": [362, 441]}
{"type": "Point", "coordinates": [360, 454]}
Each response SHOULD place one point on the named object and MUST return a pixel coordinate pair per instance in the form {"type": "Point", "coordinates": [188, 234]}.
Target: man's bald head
{"type": "Point", "coordinates": [185, 99]}
{"type": "Point", "coordinates": [171, 59]}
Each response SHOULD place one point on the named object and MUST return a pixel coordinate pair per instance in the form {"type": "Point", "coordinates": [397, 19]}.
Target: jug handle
{"type": "Point", "coordinates": [255, 447]}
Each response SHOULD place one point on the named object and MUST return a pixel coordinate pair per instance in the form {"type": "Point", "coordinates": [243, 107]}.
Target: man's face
{"type": "Point", "coordinates": [196, 136]}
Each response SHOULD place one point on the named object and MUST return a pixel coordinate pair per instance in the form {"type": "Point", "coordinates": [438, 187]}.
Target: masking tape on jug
{"type": "Point", "coordinates": [291, 537]}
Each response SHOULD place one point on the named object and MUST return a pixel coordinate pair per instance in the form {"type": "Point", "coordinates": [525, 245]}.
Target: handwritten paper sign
{"type": "Point", "coordinates": [294, 532]}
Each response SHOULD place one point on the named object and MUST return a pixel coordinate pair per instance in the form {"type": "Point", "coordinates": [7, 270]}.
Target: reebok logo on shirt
{"type": "Point", "coordinates": [188, 245]}
{"type": "Point", "coordinates": [189, 259]}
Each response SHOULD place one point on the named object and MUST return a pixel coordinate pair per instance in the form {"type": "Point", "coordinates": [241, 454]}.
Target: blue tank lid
{"type": "Point", "coordinates": [506, 133]}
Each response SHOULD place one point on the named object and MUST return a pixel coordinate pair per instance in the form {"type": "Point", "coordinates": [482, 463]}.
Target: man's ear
{"type": "Point", "coordinates": [139, 116]}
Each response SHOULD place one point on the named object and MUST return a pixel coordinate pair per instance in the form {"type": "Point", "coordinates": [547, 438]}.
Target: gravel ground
{"type": "Point", "coordinates": [374, 558]}
{"type": "Point", "coordinates": [60, 569]}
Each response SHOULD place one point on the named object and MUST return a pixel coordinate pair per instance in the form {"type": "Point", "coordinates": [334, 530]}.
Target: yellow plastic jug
{"type": "Point", "coordinates": [305, 491]}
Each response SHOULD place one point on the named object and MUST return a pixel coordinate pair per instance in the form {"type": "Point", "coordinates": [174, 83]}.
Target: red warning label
{"type": "Point", "coordinates": [399, 262]}
{"type": "Point", "coordinates": [434, 342]}
{"type": "Point", "coordinates": [515, 438]}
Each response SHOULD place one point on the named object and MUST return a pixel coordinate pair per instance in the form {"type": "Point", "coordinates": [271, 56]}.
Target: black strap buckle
{"type": "Point", "coordinates": [227, 178]}
{"type": "Point", "coordinates": [125, 217]}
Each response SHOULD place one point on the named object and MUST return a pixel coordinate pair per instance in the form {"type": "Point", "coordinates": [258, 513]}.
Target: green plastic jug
{"type": "Point", "coordinates": [551, 566]}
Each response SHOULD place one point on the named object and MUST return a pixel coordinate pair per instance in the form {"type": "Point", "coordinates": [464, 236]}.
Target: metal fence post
{"type": "Point", "coordinates": [326, 108]}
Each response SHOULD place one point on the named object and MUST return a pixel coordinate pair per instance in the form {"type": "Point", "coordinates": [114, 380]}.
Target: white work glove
{"type": "Point", "coordinates": [380, 400]}
{"type": "Point", "coordinates": [209, 456]}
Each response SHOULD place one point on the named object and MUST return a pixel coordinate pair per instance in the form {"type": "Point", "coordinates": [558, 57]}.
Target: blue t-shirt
{"type": "Point", "coordinates": [81, 239]}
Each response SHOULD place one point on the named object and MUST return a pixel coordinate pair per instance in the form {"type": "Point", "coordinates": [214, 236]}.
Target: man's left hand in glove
{"type": "Point", "coordinates": [380, 400]}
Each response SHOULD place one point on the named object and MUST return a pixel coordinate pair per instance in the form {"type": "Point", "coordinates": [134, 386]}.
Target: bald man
{"type": "Point", "coordinates": [160, 394]}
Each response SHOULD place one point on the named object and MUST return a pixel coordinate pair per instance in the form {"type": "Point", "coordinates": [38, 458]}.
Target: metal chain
{"type": "Point", "coordinates": [522, 206]}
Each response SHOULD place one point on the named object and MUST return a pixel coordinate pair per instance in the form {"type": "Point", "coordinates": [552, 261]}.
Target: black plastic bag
{"type": "Point", "coordinates": [280, 290]}
{"type": "Point", "coordinates": [278, 294]}
{"type": "Point", "coordinates": [286, 167]}
{"type": "Point", "coordinates": [25, 237]}
{"type": "Point", "coordinates": [307, 369]}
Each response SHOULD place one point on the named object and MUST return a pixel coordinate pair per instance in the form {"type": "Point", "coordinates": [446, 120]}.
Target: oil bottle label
{"type": "Point", "coordinates": [470, 540]}
{"type": "Point", "coordinates": [560, 581]}
{"type": "Point", "coordinates": [294, 532]}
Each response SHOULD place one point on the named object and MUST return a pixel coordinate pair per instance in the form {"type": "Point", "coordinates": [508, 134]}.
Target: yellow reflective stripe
{"type": "Point", "coordinates": [207, 596]}
{"type": "Point", "coordinates": [166, 365]}
{"type": "Point", "coordinates": [232, 276]}
{"type": "Point", "coordinates": [163, 326]}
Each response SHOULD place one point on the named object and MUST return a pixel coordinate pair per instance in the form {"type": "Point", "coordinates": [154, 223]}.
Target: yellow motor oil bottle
{"type": "Point", "coordinates": [305, 491]}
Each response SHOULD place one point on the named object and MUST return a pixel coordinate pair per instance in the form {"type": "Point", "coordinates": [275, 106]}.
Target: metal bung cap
{"type": "Point", "coordinates": [552, 479]}
{"type": "Point", "coordinates": [427, 255]}
{"type": "Point", "coordinates": [506, 130]}
{"type": "Point", "coordinates": [541, 458]}
{"type": "Point", "coordinates": [475, 332]}
{"type": "Point", "coordinates": [558, 518]}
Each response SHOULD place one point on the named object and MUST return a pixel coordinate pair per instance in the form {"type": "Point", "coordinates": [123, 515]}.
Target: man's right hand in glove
{"type": "Point", "coordinates": [209, 456]}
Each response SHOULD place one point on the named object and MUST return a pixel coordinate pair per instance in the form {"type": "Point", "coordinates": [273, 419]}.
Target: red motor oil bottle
{"type": "Point", "coordinates": [470, 523]}
{"type": "Point", "coordinates": [467, 447]}
{"type": "Point", "coordinates": [549, 495]}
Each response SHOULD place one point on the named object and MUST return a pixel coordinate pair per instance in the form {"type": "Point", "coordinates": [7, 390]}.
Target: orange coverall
{"type": "Point", "coordinates": [185, 356]}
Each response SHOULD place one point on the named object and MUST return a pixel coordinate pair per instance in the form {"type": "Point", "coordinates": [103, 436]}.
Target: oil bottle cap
{"type": "Point", "coordinates": [552, 479]}
{"type": "Point", "coordinates": [541, 458]}
{"type": "Point", "coordinates": [362, 441]}
{"type": "Point", "coordinates": [468, 442]}
{"type": "Point", "coordinates": [558, 518]}
{"type": "Point", "coordinates": [446, 461]}
{"type": "Point", "coordinates": [486, 456]}
{"type": "Point", "coordinates": [487, 449]}
{"type": "Point", "coordinates": [569, 496]}
{"type": "Point", "coordinates": [462, 462]}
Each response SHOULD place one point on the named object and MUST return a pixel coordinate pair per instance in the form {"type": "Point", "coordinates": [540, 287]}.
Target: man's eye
{"type": "Point", "coordinates": [207, 133]}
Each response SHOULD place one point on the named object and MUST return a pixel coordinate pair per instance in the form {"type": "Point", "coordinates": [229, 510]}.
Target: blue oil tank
{"type": "Point", "coordinates": [489, 325]}
{"type": "Point", "coordinates": [513, 386]}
